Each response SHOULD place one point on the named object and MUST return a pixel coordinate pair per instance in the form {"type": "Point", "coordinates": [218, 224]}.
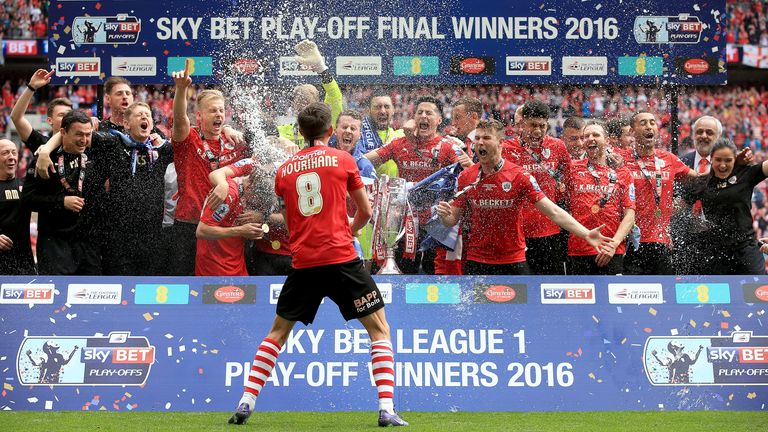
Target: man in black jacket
{"type": "Point", "coordinates": [15, 252]}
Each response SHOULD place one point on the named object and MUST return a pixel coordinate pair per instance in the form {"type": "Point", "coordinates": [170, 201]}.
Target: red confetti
{"type": "Point", "coordinates": [85, 408]}
{"type": "Point", "coordinates": [647, 329]}
{"type": "Point", "coordinates": [724, 325]}
{"type": "Point", "coordinates": [200, 371]}
{"type": "Point", "coordinates": [98, 6]}
{"type": "Point", "coordinates": [116, 407]}
{"type": "Point", "coordinates": [716, 37]}
{"type": "Point", "coordinates": [97, 397]}
{"type": "Point", "coordinates": [187, 43]}
{"type": "Point", "coordinates": [59, 5]}
{"type": "Point", "coordinates": [124, 302]}
{"type": "Point", "coordinates": [3, 393]}
{"type": "Point", "coordinates": [135, 405]}
{"type": "Point", "coordinates": [165, 52]}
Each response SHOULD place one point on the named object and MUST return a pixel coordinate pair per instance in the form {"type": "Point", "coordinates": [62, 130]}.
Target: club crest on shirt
{"type": "Point", "coordinates": [221, 212]}
{"type": "Point", "coordinates": [732, 179]}
{"type": "Point", "coordinates": [546, 153]}
{"type": "Point", "coordinates": [507, 186]}
{"type": "Point", "coordinates": [228, 145]}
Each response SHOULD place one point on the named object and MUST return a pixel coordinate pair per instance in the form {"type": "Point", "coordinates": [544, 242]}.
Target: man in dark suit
{"type": "Point", "coordinates": [686, 256]}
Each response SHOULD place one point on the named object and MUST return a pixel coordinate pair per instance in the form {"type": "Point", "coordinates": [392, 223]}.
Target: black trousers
{"type": "Point", "coordinates": [182, 249]}
{"type": "Point", "coordinates": [742, 258]}
{"type": "Point", "coordinates": [260, 263]}
{"type": "Point", "coordinates": [513, 269]}
{"type": "Point", "coordinates": [650, 259]}
{"type": "Point", "coordinates": [546, 255]}
{"type": "Point", "coordinates": [586, 265]}
{"type": "Point", "coordinates": [60, 256]}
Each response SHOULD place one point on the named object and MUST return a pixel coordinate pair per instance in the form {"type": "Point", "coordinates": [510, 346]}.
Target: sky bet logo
{"type": "Point", "coordinates": [119, 355]}
{"type": "Point", "coordinates": [754, 354]}
{"type": "Point", "coordinates": [11, 293]}
{"type": "Point", "coordinates": [78, 66]}
{"type": "Point", "coordinates": [567, 293]}
{"type": "Point", "coordinates": [529, 65]}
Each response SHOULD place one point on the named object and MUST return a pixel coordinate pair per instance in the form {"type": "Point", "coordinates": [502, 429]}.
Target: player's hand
{"type": "Point", "coordinates": [43, 165]}
{"type": "Point", "coordinates": [40, 78]}
{"type": "Point", "coordinates": [763, 245]}
{"type": "Point", "coordinates": [464, 159]}
{"type": "Point", "coordinates": [287, 146]}
{"type": "Point", "coordinates": [250, 231]}
{"type": "Point", "coordinates": [599, 241]}
{"type": "Point", "coordinates": [182, 78]}
{"type": "Point", "coordinates": [745, 157]}
{"type": "Point", "coordinates": [615, 160]}
{"type": "Point", "coordinates": [217, 195]}
{"type": "Point", "coordinates": [5, 242]}
{"type": "Point", "coordinates": [95, 122]}
{"type": "Point", "coordinates": [309, 56]}
{"type": "Point", "coordinates": [73, 203]}
{"type": "Point", "coordinates": [250, 216]}
{"type": "Point", "coordinates": [603, 258]}
{"type": "Point", "coordinates": [233, 136]}
{"type": "Point", "coordinates": [156, 139]}
{"type": "Point", "coordinates": [409, 128]}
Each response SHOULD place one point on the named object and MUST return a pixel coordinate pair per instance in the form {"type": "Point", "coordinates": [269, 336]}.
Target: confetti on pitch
{"type": "Point", "coordinates": [751, 395]}
{"type": "Point", "coordinates": [591, 375]}
{"type": "Point", "coordinates": [723, 325]}
{"type": "Point", "coordinates": [34, 399]}
{"type": "Point", "coordinates": [692, 323]}
{"type": "Point", "coordinates": [52, 320]}
{"type": "Point", "coordinates": [623, 341]}
{"type": "Point", "coordinates": [652, 311]}
{"type": "Point", "coordinates": [193, 293]}
{"type": "Point", "coordinates": [167, 405]}
{"type": "Point", "coordinates": [730, 397]}
{"type": "Point", "coordinates": [148, 316]}
{"type": "Point", "coordinates": [673, 332]}
{"type": "Point", "coordinates": [648, 330]}
{"type": "Point", "coordinates": [168, 336]}
{"type": "Point", "coordinates": [7, 386]}
{"type": "Point", "coordinates": [594, 318]}
{"type": "Point", "coordinates": [726, 314]}
{"type": "Point", "coordinates": [49, 405]}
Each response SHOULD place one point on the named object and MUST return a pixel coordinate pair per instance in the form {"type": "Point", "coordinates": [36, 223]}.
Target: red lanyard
{"type": "Point", "coordinates": [612, 178]}
{"type": "Point", "coordinates": [81, 176]}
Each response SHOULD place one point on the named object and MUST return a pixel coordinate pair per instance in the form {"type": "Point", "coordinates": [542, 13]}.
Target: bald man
{"type": "Point", "coordinates": [15, 250]}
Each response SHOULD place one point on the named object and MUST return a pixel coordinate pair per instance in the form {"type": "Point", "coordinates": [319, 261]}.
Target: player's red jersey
{"type": "Point", "coordinates": [313, 185]}
{"type": "Point", "coordinates": [598, 196]}
{"type": "Point", "coordinates": [417, 161]}
{"type": "Point", "coordinates": [193, 163]}
{"type": "Point", "coordinates": [226, 256]}
{"type": "Point", "coordinates": [652, 219]}
{"type": "Point", "coordinates": [495, 203]}
{"type": "Point", "coordinates": [553, 158]}
{"type": "Point", "coordinates": [276, 241]}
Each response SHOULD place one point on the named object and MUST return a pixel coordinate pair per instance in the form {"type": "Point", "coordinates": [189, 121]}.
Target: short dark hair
{"type": "Point", "coordinates": [535, 109]}
{"type": "Point", "coordinates": [722, 143]}
{"type": "Point", "coordinates": [111, 82]}
{"type": "Point", "coordinates": [432, 100]}
{"type": "Point", "coordinates": [634, 117]}
{"type": "Point", "coordinates": [314, 121]}
{"type": "Point", "coordinates": [471, 105]}
{"type": "Point", "coordinates": [492, 125]}
{"type": "Point", "coordinates": [595, 123]}
{"type": "Point", "coordinates": [57, 102]}
{"type": "Point", "coordinates": [615, 126]}
{"type": "Point", "coordinates": [377, 93]}
{"type": "Point", "coordinates": [355, 114]}
{"type": "Point", "coordinates": [74, 116]}
{"type": "Point", "coordinates": [573, 122]}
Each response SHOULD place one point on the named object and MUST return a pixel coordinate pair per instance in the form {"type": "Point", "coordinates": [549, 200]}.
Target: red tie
{"type": "Point", "coordinates": [702, 169]}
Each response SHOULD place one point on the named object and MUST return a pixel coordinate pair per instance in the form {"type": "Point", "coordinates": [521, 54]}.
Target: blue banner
{"type": "Point", "coordinates": [461, 343]}
{"type": "Point", "coordinates": [396, 42]}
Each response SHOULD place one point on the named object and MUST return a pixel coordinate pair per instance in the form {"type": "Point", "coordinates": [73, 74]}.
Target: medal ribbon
{"type": "Point", "coordinates": [647, 175]}
{"type": "Point", "coordinates": [213, 160]}
{"type": "Point", "coordinates": [555, 173]}
{"type": "Point", "coordinates": [80, 177]}
{"type": "Point", "coordinates": [612, 178]}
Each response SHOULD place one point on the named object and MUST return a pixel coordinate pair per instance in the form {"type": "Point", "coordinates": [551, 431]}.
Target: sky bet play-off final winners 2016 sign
{"type": "Point", "coordinates": [462, 343]}
{"type": "Point", "coordinates": [372, 41]}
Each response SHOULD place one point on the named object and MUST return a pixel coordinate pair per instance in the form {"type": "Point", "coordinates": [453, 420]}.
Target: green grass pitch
{"type": "Point", "coordinates": [651, 421]}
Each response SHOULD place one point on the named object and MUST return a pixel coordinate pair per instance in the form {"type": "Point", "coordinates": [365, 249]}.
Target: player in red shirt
{"type": "Point", "coordinates": [599, 195]}
{"type": "Point", "coordinates": [220, 242]}
{"type": "Point", "coordinates": [493, 191]}
{"type": "Point", "coordinates": [547, 159]}
{"type": "Point", "coordinates": [313, 187]}
{"type": "Point", "coordinates": [418, 156]}
{"type": "Point", "coordinates": [196, 152]}
{"type": "Point", "coordinates": [654, 171]}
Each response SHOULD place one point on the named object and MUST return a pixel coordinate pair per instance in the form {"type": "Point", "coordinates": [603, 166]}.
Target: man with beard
{"type": "Point", "coordinates": [655, 172]}
{"type": "Point", "coordinates": [57, 109]}
{"type": "Point", "coordinates": [134, 164]}
{"type": "Point", "coordinates": [65, 244]}
{"type": "Point", "coordinates": [492, 192]}
{"type": "Point", "coordinates": [599, 195]}
{"type": "Point", "coordinates": [467, 113]}
{"type": "Point", "coordinates": [381, 110]}
{"type": "Point", "coordinates": [417, 157]}
{"type": "Point", "coordinates": [547, 159]}
{"type": "Point", "coordinates": [686, 222]}
{"type": "Point", "coordinates": [15, 251]}
{"type": "Point", "coordinates": [196, 152]}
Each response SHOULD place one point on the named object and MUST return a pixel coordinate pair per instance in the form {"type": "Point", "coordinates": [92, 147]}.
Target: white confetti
{"type": "Point", "coordinates": [193, 401]}
{"type": "Point", "coordinates": [696, 7]}
{"type": "Point", "coordinates": [62, 49]}
{"type": "Point", "coordinates": [182, 348]}
{"type": "Point", "coordinates": [599, 6]}
{"type": "Point", "coordinates": [156, 313]}
{"type": "Point", "coordinates": [194, 350]}
{"type": "Point", "coordinates": [167, 405]}
{"type": "Point", "coordinates": [52, 320]}
{"type": "Point", "coordinates": [673, 332]}
{"type": "Point", "coordinates": [170, 351]}
{"type": "Point", "coordinates": [70, 316]}
{"type": "Point", "coordinates": [194, 340]}
{"type": "Point", "coordinates": [49, 405]}
{"type": "Point", "coordinates": [737, 328]}
{"type": "Point", "coordinates": [168, 336]}
{"type": "Point", "coordinates": [715, 49]}
{"type": "Point", "coordinates": [207, 400]}
{"type": "Point", "coordinates": [3, 358]}
{"type": "Point", "coordinates": [32, 400]}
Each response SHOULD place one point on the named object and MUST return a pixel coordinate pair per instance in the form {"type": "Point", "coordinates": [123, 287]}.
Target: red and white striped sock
{"type": "Point", "coordinates": [262, 366]}
{"type": "Point", "coordinates": [383, 368]}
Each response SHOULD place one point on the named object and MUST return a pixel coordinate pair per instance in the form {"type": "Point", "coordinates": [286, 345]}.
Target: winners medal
{"type": "Point", "coordinates": [657, 213]}
{"type": "Point", "coordinates": [562, 187]}
{"type": "Point", "coordinates": [595, 209]}
{"type": "Point", "coordinates": [264, 228]}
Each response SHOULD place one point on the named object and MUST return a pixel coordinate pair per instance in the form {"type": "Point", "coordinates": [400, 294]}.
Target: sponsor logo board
{"type": "Point", "coordinates": [517, 65]}
{"type": "Point", "coordinates": [289, 66]}
{"type": "Point", "coordinates": [432, 293]}
{"type": "Point", "coordinates": [134, 66]}
{"type": "Point", "coordinates": [479, 65]}
{"type": "Point", "coordinates": [229, 293]}
{"type": "Point", "coordinates": [567, 293]}
{"type": "Point", "coordinates": [641, 66]}
{"type": "Point", "coordinates": [702, 293]}
{"type": "Point", "coordinates": [33, 293]}
{"type": "Point", "coordinates": [697, 65]}
{"type": "Point", "coordinates": [200, 66]}
{"type": "Point", "coordinates": [755, 293]}
{"type": "Point", "coordinates": [585, 66]}
{"type": "Point", "coordinates": [358, 65]}
{"type": "Point", "coordinates": [415, 65]}
{"type": "Point", "coordinates": [78, 66]}
{"type": "Point", "coordinates": [681, 29]}
{"type": "Point", "coordinates": [501, 293]}
{"type": "Point", "coordinates": [635, 293]}
{"type": "Point", "coordinates": [97, 30]}
{"type": "Point", "coordinates": [161, 294]}
{"type": "Point", "coordinates": [94, 294]}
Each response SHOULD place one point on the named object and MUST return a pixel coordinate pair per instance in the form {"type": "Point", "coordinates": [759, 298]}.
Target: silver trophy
{"type": "Point", "coordinates": [390, 208]}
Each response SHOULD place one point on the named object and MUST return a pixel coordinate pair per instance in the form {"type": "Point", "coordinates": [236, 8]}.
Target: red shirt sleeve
{"type": "Point", "coordinates": [354, 182]}
{"type": "Point", "coordinates": [387, 151]}
{"type": "Point", "coordinates": [462, 182]}
{"type": "Point", "coordinates": [243, 167]}
{"type": "Point", "coordinates": [529, 188]}
{"type": "Point", "coordinates": [679, 168]}
{"type": "Point", "coordinates": [627, 189]}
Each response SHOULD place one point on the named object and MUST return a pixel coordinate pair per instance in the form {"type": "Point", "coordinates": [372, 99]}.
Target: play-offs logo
{"type": "Point", "coordinates": [529, 65]}
{"type": "Point", "coordinates": [78, 66]}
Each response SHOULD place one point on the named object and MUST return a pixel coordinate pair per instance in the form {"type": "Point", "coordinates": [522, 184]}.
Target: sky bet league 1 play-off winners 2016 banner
{"type": "Point", "coordinates": [461, 344]}
{"type": "Point", "coordinates": [399, 41]}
